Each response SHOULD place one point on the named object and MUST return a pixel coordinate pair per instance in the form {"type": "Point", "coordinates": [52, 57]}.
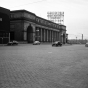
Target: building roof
{"type": "Point", "coordinates": [37, 19]}
{"type": "Point", "coordinates": [4, 10]}
{"type": "Point", "coordinates": [23, 10]}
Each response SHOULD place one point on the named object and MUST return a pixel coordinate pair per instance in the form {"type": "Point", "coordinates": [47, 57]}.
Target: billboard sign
{"type": "Point", "coordinates": [57, 17]}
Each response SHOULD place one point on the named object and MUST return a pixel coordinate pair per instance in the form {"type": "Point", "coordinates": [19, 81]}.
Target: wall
{"type": "Point", "coordinates": [17, 27]}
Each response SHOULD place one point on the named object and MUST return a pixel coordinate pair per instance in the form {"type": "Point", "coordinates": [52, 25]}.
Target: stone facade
{"type": "Point", "coordinates": [26, 26]}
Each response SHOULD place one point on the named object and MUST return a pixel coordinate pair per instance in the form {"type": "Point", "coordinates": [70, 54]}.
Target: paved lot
{"type": "Point", "coordinates": [43, 66]}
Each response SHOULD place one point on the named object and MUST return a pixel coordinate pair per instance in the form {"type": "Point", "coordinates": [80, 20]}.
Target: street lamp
{"type": "Point", "coordinates": [76, 39]}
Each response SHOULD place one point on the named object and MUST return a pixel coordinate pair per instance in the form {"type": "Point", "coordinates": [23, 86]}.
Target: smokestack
{"type": "Point", "coordinates": [82, 36]}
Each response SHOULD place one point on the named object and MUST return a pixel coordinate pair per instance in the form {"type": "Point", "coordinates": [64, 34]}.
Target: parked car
{"type": "Point", "coordinates": [12, 43]}
{"type": "Point", "coordinates": [86, 45]}
{"type": "Point", "coordinates": [36, 43]}
{"type": "Point", "coordinates": [57, 43]}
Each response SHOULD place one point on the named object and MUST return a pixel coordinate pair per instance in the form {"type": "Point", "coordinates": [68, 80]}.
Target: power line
{"type": "Point", "coordinates": [29, 3]}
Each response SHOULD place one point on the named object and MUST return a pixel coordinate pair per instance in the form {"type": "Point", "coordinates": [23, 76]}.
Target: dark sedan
{"type": "Point", "coordinates": [86, 45]}
{"type": "Point", "coordinates": [12, 43]}
{"type": "Point", "coordinates": [57, 43]}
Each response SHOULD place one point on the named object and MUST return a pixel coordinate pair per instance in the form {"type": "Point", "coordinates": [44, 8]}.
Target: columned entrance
{"type": "Point", "coordinates": [45, 35]}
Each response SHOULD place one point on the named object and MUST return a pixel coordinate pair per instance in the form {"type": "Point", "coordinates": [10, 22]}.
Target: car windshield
{"type": "Point", "coordinates": [36, 41]}
{"type": "Point", "coordinates": [56, 41]}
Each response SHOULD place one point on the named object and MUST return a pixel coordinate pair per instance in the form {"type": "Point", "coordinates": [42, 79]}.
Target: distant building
{"type": "Point", "coordinates": [26, 26]}
{"type": "Point", "coordinates": [4, 25]}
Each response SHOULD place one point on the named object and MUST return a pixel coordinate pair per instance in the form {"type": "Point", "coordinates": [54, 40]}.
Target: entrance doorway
{"type": "Point", "coordinates": [30, 34]}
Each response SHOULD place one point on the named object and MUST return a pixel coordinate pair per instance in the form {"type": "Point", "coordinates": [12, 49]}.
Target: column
{"type": "Point", "coordinates": [47, 35]}
{"type": "Point", "coordinates": [58, 36]}
{"type": "Point", "coordinates": [64, 38]}
{"type": "Point", "coordinates": [37, 33]}
{"type": "Point", "coordinates": [44, 35]}
{"type": "Point", "coordinates": [34, 28]}
{"type": "Point", "coordinates": [50, 35]}
{"type": "Point", "coordinates": [41, 34]}
{"type": "Point", "coordinates": [61, 37]}
{"type": "Point", "coordinates": [33, 36]}
{"type": "Point", "coordinates": [55, 35]}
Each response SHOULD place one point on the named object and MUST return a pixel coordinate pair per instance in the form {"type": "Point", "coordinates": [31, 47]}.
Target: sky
{"type": "Point", "coordinates": [75, 13]}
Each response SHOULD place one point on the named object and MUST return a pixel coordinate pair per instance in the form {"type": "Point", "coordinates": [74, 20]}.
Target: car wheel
{"type": "Point", "coordinates": [56, 45]}
{"type": "Point", "coordinates": [52, 45]}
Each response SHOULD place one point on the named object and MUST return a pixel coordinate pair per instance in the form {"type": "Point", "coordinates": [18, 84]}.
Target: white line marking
{"type": "Point", "coordinates": [49, 52]}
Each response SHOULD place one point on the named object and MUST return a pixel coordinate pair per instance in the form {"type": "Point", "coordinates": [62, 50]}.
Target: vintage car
{"type": "Point", "coordinates": [36, 43]}
{"type": "Point", "coordinates": [86, 45]}
{"type": "Point", "coordinates": [12, 43]}
{"type": "Point", "coordinates": [57, 43]}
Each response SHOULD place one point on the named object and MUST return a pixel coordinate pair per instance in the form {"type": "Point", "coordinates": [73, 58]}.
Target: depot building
{"type": "Point", "coordinates": [24, 26]}
{"type": "Point", "coordinates": [28, 27]}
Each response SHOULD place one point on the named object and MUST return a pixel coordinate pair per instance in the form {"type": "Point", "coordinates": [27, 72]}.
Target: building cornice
{"type": "Point", "coordinates": [26, 15]}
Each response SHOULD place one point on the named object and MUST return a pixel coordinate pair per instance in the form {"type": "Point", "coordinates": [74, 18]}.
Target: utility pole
{"type": "Point", "coordinates": [82, 39]}
{"type": "Point", "coordinates": [82, 36]}
{"type": "Point", "coordinates": [76, 40]}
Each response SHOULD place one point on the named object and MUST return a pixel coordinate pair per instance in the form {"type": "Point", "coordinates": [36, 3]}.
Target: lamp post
{"type": "Point", "coordinates": [81, 37]}
{"type": "Point", "coordinates": [76, 40]}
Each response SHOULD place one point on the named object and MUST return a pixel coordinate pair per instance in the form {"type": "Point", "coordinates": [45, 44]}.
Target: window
{"type": "Point", "coordinates": [0, 34]}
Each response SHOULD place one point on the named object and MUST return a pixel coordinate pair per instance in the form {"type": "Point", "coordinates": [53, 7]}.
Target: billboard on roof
{"type": "Point", "coordinates": [56, 16]}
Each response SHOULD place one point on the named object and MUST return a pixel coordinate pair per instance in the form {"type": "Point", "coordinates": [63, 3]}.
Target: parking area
{"type": "Point", "coordinates": [43, 66]}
